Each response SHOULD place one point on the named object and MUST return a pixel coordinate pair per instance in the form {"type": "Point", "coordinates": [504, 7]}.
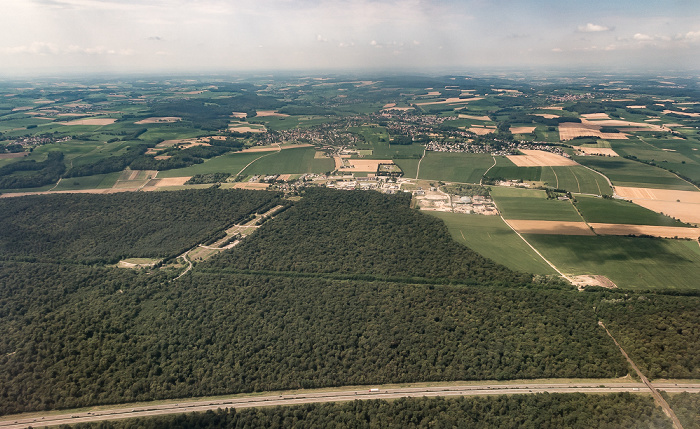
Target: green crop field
{"type": "Point", "coordinates": [98, 181]}
{"type": "Point", "coordinates": [505, 169]}
{"type": "Point", "coordinates": [625, 172]}
{"type": "Point", "coordinates": [576, 179]}
{"type": "Point", "coordinates": [526, 204]}
{"type": "Point", "coordinates": [630, 262]}
{"type": "Point", "coordinates": [455, 167]}
{"type": "Point", "coordinates": [600, 210]}
{"type": "Point", "coordinates": [291, 161]}
{"type": "Point", "coordinates": [229, 163]}
{"type": "Point", "coordinates": [492, 238]}
{"type": "Point", "coordinates": [408, 166]}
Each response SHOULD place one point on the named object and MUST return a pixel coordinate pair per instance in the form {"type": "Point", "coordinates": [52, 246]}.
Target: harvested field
{"type": "Point", "coordinates": [522, 130]}
{"type": "Point", "coordinates": [184, 143]}
{"type": "Point", "coordinates": [594, 280]}
{"type": "Point", "coordinates": [284, 177]}
{"type": "Point", "coordinates": [454, 100]}
{"type": "Point", "coordinates": [320, 155]}
{"type": "Point", "coordinates": [636, 107]}
{"type": "Point", "coordinates": [595, 116]}
{"type": "Point", "coordinates": [686, 212]}
{"type": "Point", "coordinates": [91, 121]}
{"type": "Point", "coordinates": [246, 129]}
{"type": "Point", "coordinates": [540, 158]}
{"type": "Point", "coordinates": [658, 194]}
{"type": "Point", "coordinates": [162, 157]}
{"type": "Point", "coordinates": [13, 155]}
{"type": "Point", "coordinates": [249, 185]}
{"type": "Point", "coordinates": [170, 181]}
{"type": "Point", "coordinates": [694, 115]}
{"type": "Point", "coordinates": [388, 105]}
{"type": "Point", "coordinates": [571, 130]}
{"type": "Point", "coordinates": [241, 115]}
{"type": "Point", "coordinates": [653, 231]}
{"type": "Point", "coordinates": [546, 115]}
{"type": "Point", "coordinates": [550, 227]}
{"type": "Point", "coordinates": [476, 118]}
{"type": "Point", "coordinates": [683, 205]}
{"type": "Point", "coordinates": [403, 109]}
{"type": "Point", "coordinates": [600, 151]}
{"type": "Point", "coordinates": [360, 165]}
{"type": "Point", "coordinates": [480, 131]}
{"type": "Point", "coordinates": [264, 113]}
{"type": "Point", "coordinates": [160, 120]}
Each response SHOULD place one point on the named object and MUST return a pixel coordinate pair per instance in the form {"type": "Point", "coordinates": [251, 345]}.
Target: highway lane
{"type": "Point", "coordinates": [174, 407]}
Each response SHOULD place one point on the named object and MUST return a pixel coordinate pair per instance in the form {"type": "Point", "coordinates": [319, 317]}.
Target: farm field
{"type": "Point", "coordinates": [291, 161]}
{"type": "Point", "coordinates": [492, 238]}
{"type": "Point", "coordinates": [227, 163]}
{"type": "Point", "coordinates": [624, 172]}
{"type": "Point", "coordinates": [575, 179]}
{"type": "Point", "coordinates": [526, 204]}
{"type": "Point", "coordinates": [601, 210]}
{"type": "Point", "coordinates": [408, 166]}
{"type": "Point", "coordinates": [505, 169]}
{"type": "Point", "coordinates": [630, 262]}
{"type": "Point", "coordinates": [454, 167]}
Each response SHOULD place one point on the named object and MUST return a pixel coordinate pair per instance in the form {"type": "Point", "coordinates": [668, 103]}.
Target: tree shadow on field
{"type": "Point", "coordinates": [599, 249]}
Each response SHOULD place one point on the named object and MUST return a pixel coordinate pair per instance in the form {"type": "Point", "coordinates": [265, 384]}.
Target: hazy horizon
{"type": "Point", "coordinates": [212, 36]}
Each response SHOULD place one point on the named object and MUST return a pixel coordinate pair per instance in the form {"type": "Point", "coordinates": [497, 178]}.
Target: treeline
{"type": "Point", "coordinates": [363, 232]}
{"type": "Point", "coordinates": [659, 332]}
{"type": "Point", "coordinates": [32, 174]}
{"type": "Point", "coordinates": [109, 164]}
{"type": "Point", "coordinates": [214, 114]}
{"type": "Point", "coordinates": [540, 411]}
{"type": "Point", "coordinates": [75, 336]}
{"type": "Point", "coordinates": [199, 179]}
{"type": "Point", "coordinates": [135, 158]}
{"type": "Point", "coordinates": [93, 228]}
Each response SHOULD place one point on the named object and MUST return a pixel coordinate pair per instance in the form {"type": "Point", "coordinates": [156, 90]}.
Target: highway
{"type": "Point", "coordinates": [174, 407]}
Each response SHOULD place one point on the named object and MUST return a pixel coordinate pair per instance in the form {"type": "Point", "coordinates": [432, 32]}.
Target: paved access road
{"type": "Point", "coordinates": [124, 411]}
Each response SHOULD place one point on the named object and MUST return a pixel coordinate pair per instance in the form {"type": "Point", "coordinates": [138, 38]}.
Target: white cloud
{"type": "Point", "coordinates": [320, 38]}
{"type": "Point", "coordinates": [593, 28]}
{"type": "Point", "coordinates": [642, 37]}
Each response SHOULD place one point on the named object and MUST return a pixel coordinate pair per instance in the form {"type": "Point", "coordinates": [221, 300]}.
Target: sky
{"type": "Point", "coordinates": [183, 36]}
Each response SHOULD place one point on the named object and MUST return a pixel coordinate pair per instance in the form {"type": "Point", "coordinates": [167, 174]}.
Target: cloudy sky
{"type": "Point", "coordinates": [54, 36]}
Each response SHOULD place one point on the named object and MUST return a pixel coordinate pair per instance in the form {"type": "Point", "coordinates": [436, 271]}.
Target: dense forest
{"type": "Point", "coordinates": [77, 335]}
{"type": "Point", "coordinates": [105, 228]}
{"type": "Point", "coordinates": [687, 408]}
{"type": "Point", "coordinates": [660, 333]}
{"type": "Point", "coordinates": [516, 411]}
{"type": "Point", "coordinates": [363, 232]}
{"type": "Point", "coordinates": [341, 288]}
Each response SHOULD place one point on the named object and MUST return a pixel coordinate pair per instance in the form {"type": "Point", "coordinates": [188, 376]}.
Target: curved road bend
{"type": "Point", "coordinates": [126, 411]}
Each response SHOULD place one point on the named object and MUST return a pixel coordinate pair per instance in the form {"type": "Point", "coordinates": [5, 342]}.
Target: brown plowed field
{"type": "Point", "coordinates": [550, 227]}
{"type": "Point", "coordinates": [540, 158]}
{"type": "Point", "coordinates": [655, 231]}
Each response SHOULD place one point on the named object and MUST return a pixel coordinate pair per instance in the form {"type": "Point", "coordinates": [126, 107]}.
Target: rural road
{"type": "Point", "coordinates": [127, 411]}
